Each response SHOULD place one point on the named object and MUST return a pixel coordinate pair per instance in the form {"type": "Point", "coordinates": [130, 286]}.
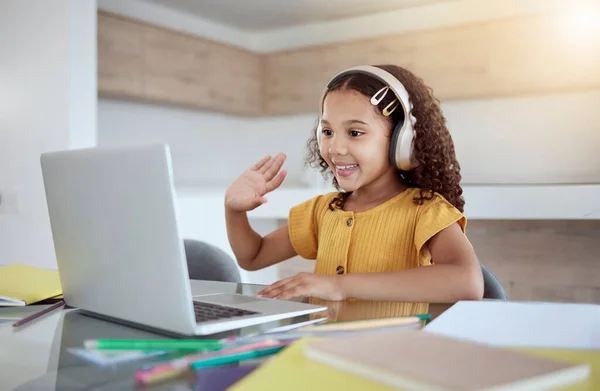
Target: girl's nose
{"type": "Point", "coordinates": [337, 147]}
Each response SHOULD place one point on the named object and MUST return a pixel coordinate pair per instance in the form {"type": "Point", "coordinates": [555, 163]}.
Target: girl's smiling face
{"type": "Point", "coordinates": [355, 140]}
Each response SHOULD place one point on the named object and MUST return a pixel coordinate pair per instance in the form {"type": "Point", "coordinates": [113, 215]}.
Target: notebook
{"type": "Point", "coordinates": [522, 324]}
{"type": "Point", "coordinates": [289, 370]}
{"type": "Point", "coordinates": [21, 285]}
{"type": "Point", "coordinates": [416, 360]}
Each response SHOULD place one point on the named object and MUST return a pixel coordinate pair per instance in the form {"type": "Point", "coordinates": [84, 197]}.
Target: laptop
{"type": "Point", "coordinates": [120, 255]}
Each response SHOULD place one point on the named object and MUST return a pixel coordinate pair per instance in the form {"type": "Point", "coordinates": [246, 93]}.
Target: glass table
{"type": "Point", "coordinates": [38, 356]}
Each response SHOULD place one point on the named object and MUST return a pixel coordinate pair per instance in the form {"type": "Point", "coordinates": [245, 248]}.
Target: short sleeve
{"type": "Point", "coordinates": [303, 227]}
{"type": "Point", "coordinates": [436, 215]}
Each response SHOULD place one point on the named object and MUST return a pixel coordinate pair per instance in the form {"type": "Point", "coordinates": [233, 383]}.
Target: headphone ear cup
{"type": "Point", "coordinates": [395, 146]}
{"type": "Point", "coordinates": [401, 145]}
{"type": "Point", "coordinates": [319, 135]}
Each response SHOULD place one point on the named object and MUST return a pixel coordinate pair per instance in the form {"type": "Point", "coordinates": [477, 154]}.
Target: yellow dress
{"type": "Point", "coordinates": [389, 237]}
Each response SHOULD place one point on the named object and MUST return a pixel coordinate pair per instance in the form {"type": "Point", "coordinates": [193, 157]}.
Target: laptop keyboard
{"type": "Point", "coordinates": [206, 312]}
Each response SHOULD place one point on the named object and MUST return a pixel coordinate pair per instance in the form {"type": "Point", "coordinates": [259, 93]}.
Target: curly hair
{"type": "Point", "coordinates": [437, 169]}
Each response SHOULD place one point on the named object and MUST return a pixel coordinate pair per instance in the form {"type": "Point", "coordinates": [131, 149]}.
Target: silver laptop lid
{"type": "Point", "coordinates": [114, 224]}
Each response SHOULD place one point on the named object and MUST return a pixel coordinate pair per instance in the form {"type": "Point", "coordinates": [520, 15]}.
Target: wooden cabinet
{"type": "Point", "coordinates": [145, 62]}
{"type": "Point", "coordinates": [522, 55]}
{"type": "Point", "coordinates": [508, 57]}
{"type": "Point", "coordinates": [119, 57]}
{"type": "Point", "coordinates": [235, 84]}
{"type": "Point", "coordinates": [175, 68]}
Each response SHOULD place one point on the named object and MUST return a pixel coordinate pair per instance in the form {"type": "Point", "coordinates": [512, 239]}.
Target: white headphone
{"type": "Point", "coordinates": [401, 148]}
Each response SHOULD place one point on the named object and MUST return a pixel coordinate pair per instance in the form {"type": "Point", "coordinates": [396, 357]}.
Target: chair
{"type": "Point", "coordinates": [208, 262]}
{"type": "Point", "coordinates": [492, 288]}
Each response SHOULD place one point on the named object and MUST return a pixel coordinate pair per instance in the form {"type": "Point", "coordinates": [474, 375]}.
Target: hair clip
{"type": "Point", "coordinates": [387, 111]}
{"type": "Point", "coordinates": [375, 99]}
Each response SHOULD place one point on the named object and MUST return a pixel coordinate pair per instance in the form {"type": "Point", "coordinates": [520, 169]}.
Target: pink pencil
{"type": "Point", "coordinates": [37, 314]}
{"type": "Point", "coordinates": [181, 365]}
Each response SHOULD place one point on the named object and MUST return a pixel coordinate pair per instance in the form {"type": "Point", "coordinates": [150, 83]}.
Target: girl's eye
{"type": "Point", "coordinates": [355, 133]}
{"type": "Point", "coordinates": [327, 132]}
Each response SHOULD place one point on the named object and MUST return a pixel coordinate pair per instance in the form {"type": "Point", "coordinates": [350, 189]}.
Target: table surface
{"type": "Point", "coordinates": [37, 356]}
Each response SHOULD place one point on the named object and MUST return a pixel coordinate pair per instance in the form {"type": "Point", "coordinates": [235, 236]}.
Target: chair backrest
{"type": "Point", "coordinates": [208, 262]}
{"type": "Point", "coordinates": [492, 288]}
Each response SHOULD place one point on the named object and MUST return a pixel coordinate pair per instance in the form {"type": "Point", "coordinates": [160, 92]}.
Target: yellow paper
{"type": "Point", "coordinates": [290, 371]}
{"type": "Point", "coordinates": [22, 285]}
{"type": "Point", "coordinates": [591, 357]}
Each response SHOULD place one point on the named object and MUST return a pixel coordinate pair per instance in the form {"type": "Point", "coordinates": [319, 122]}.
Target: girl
{"type": "Point", "coordinates": [395, 230]}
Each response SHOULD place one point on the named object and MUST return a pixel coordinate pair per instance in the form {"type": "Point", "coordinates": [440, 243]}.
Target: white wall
{"type": "Point", "coordinates": [47, 102]}
{"type": "Point", "coordinates": [82, 73]}
{"type": "Point", "coordinates": [208, 149]}
{"type": "Point", "coordinates": [542, 139]}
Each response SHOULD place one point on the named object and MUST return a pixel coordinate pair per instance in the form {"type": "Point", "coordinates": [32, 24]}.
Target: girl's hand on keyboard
{"type": "Point", "coordinates": [305, 284]}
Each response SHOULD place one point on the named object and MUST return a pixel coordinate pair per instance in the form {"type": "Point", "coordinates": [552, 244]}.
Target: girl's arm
{"type": "Point", "coordinates": [252, 251]}
{"type": "Point", "coordinates": [456, 275]}
{"type": "Point", "coordinates": [246, 193]}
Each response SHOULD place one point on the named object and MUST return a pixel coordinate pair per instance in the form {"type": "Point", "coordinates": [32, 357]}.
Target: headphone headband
{"type": "Point", "coordinates": [383, 76]}
{"type": "Point", "coordinates": [403, 134]}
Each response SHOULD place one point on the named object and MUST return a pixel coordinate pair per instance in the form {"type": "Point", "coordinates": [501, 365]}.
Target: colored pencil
{"type": "Point", "coordinates": [38, 314]}
{"type": "Point", "coordinates": [181, 365]}
{"type": "Point", "coordinates": [153, 344]}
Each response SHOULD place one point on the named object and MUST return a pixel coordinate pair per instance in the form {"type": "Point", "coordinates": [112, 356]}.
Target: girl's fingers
{"type": "Point", "coordinates": [276, 182]}
{"type": "Point", "coordinates": [277, 286]}
{"type": "Point", "coordinates": [283, 290]}
{"type": "Point", "coordinates": [275, 167]}
{"type": "Point", "coordinates": [298, 290]}
{"type": "Point", "coordinates": [263, 169]}
{"type": "Point", "coordinates": [259, 164]}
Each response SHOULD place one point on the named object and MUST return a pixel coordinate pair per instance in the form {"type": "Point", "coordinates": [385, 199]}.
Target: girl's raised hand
{"type": "Point", "coordinates": [248, 190]}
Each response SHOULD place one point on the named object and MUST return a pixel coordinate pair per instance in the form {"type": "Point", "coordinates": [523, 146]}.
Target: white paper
{"type": "Point", "coordinates": [106, 357]}
{"type": "Point", "coordinates": [522, 324]}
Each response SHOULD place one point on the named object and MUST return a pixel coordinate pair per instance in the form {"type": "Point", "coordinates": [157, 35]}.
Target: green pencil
{"type": "Point", "coordinates": [235, 357]}
{"type": "Point", "coordinates": [153, 344]}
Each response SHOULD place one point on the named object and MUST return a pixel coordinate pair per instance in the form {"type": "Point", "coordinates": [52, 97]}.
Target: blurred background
{"type": "Point", "coordinates": [224, 82]}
